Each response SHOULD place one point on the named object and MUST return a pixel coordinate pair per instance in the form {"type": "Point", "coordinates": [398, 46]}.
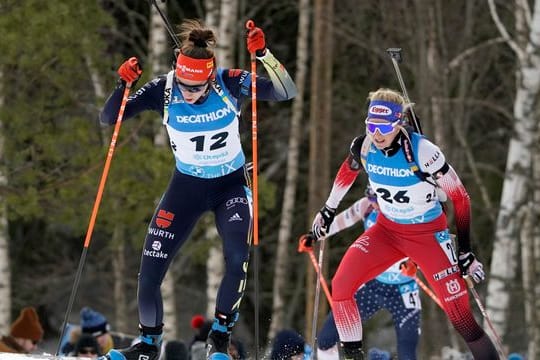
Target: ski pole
{"type": "Point", "coordinates": [95, 209]}
{"type": "Point", "coordinates": [395, 55]}
{"type": "Point", "coordinates": [302, 247]}
{"type": "Point", "coordinates": [309, 249]}
{"type": "Point", "coordinates": [250, 24]}
{"type": "Point", "coordinates": [321, 277]}
{"type": "Point", "coordinates": [498, 342]}
{"type": "Point", "coordinates": [317, 295]}
{"type": "Point", "coordinates": [428, 291]}
{"type": "Point", "coordinates": [167, 24]}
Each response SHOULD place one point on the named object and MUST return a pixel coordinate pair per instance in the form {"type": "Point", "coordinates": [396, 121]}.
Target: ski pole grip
{"type": "Point", "coordinates": [250, 24]}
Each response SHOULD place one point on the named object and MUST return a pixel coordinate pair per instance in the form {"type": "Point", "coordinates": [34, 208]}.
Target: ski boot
{"type": "Point", "coordinates": [147, 348]}
{"type": "Point", "coordinates": [351, 350]}
{"type": "Point", "coordinates": [217, 344]}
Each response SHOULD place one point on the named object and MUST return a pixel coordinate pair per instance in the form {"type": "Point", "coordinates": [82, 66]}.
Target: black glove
{"type": "Point", "coordinates": [469, 266]}
{"type": "Point", "coordinates": [322, 222]}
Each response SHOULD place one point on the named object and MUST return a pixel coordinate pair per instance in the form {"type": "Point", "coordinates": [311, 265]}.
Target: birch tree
{"type": "Point", "coordinates": [517, 187]}
{"type": "Point", "coordinates": [158, 53]}
{"type": "Point", "coordinates": [281, 268]}
{"type": "Point", "coordinates": [5, 273]}
{"type": "Point", "coordinates": [320, 132]}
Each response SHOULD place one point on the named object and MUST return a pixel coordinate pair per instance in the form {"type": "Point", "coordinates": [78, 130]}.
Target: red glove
{"type": "Point", "coordinates": [305, 242]}
{"type": "Point", "coordinates": [408, 268]}
{"type": "Point", "coordinates": [130, 70]}
{"type": "Point", "coordinates": [255, 41]}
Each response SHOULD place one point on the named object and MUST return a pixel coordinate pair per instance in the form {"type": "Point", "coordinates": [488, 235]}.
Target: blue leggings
{"type": "Point", "coordinates": [372, 297]}
{"type": "Point", "coordinates": [182, 204]}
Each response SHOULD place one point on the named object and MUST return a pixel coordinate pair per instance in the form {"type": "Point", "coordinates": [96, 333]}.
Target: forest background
{"type": "Point", "coordinates": [471, 67]}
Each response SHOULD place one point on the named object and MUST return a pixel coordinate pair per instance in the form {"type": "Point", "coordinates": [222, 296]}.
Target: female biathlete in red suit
{"type": "Point", "coordinates": [411, 224]}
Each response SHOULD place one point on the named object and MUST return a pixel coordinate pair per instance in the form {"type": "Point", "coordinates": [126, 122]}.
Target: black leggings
{"type": "Point", "coordinates": [182, 204]}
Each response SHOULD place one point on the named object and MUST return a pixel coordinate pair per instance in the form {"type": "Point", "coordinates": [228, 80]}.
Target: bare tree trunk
{"type": "Point", "coordinates": [212, 14]}
{"type": "Point", "coordinates": [528, 278]}
{"type": "Point", "coordinates": [5, 271]}
{"type": "Point", "coordinates": [530, 253]}
{"type": "Point", "coordinates": [228, 19]}
{"type": "Point", "coordinates": [320, 133]}
{"type": "Point", "coordinates": [534, 337]}
{"type": "Point", "coordinates": [517, 184]}
{"type": "Point", "coordinates": [281, 268]}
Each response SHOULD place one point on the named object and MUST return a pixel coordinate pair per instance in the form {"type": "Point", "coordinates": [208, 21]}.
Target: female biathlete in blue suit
{"type": "Point", "coordinates": [391, 290]}
{"type": "Point", "coordinates": [200, 106]}
{"type": "Point", "coordinates": [409, 174]}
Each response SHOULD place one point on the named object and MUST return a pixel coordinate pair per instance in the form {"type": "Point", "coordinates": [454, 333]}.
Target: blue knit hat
{"type": "Point", "coordinates": [378, 354]}
{"type": "Point", "coordinates": [93, 322]}
{"type": "Point", "coordinates": [287, 343]}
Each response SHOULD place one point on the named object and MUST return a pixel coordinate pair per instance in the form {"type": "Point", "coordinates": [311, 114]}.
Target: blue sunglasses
{"type": "Point", "coordinates": [384, 128]}
{"type": "Point", "coordinates": [191, 88]}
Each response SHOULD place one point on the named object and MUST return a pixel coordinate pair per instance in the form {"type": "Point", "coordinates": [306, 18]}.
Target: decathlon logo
{"type": "Point", "coordinates": [204, 118]}
{"type": "Point", "coordinates": [386, 171]}
{"type": "Point", "coordinates": [144, 357]}
{"type": "Point", "coordinates": [380, 110]}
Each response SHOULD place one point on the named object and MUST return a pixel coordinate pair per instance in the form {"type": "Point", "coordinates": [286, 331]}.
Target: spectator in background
{"type": "Point", "coordinates": [95, 324]}
{"type": "Point", "coordinates": [92, 323]}
{"type": "Point", "coordinates": [176, 350]}
{"type": "Point", "coordinates": [26, 332]}
{"type": "Point", "coordinates": [236, 350]}
{"type": "Point", "coordinates": [515, 356]}
{"type": "Point", "coordinates": [197, 347]}
{"type": "Point", "coordinates": [87, 346]}
{"type": "Point", "coordinates": [289, 345]}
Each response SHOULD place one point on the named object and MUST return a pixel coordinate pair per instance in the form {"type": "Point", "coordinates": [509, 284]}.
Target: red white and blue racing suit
{"type": "Point", "coordinates": [411, 224]}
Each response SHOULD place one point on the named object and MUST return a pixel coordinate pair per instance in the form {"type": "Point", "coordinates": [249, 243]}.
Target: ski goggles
{"type": "Point", "coordinates": [384, 128]}
{"type": "Point", "coordinates": [191, 88]}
